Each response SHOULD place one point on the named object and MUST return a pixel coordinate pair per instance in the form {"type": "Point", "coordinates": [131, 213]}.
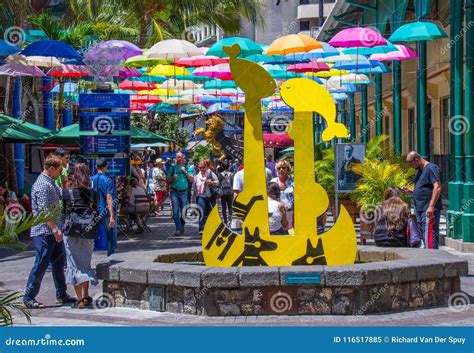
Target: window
{"type": "Point", "coordinates": [387, 124]}
{"type": "Point", "coordinates": [304, 2]}
{"type": "Point", "coordinates": [304, 25]}
{"type": "Point", "coordinates": [411, 129]}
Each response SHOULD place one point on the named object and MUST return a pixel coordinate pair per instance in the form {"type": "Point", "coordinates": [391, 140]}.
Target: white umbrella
{"type": "Point", "coordinates": [173, 49]}
{"type": "Point", "coordinates": [335, 58]}
{"type": "Point", "coordinates": [195, 92]}
{"type": "Point", "coordinates": [357, 79]}
{"type": "Point", "coordinates": [179, 84]}
{"type": "Point", "coordinates": [178, 100]}
{"type": "Point", "coordinates": [40, 61]}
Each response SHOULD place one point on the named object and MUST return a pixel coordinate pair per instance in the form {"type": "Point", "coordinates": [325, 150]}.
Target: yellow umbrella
{"type": "Point", "coordinates": [330, 73]}
{"type": "Point", "coordinates": [167, 70]}
{"type": "Point", "coordinates": [158, 92]}
{"type": "Point", "coordinates": [293, 43]}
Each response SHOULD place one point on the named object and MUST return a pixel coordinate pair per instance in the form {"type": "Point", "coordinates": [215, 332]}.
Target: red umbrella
{"type": "Point", "coordinates": [200, 60]}
{"type": "Point", "coordinates": [69, 71]}
{"type": "Point", "coordinates": [137, 85]}
{"type": "Point", "coordinates": [312, 66]}
{"type": "Point", "coordinates": [277, 140]}
{"type": "Point", "coordinates": [145, 98]}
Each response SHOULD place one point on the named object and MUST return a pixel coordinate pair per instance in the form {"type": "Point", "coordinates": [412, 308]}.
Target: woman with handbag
{"type": "Point", "coordinates": [80, 227]}
{"type": "Point", "coordinates": [204, 181]}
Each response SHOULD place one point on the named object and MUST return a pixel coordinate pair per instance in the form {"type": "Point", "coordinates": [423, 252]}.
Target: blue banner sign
{"type": "Point", "coordinates": [105, 144]}
{"type": "Point", "coordinates": [104, 122]}
{"type": "Point", "coordinates": [115, 166]}
{"type": "Point", "coordinates": [103, 100]}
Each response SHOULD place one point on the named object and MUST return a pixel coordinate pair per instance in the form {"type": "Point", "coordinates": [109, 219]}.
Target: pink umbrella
{"type": "Point", "coordinates": [221, 71]}
{"type": "Point", "coordinates": [145, 98]}
{"type": "Point", "coordinates": [69, 71]}
{"type": "Point", "coordinates": [357, 37]}
{"type": "Point", "coordinates": [312, 66]}
{"type": "Point", "coordinates": [402, 53]}
{"type": "Point", "coordinates": [136, 85]}
{"type": "Point", "coordinates": [119, 71]}
{"type": "Point", "coordinates": [200, 60]}
{"type": "Point", "coordinates": [15, 69]}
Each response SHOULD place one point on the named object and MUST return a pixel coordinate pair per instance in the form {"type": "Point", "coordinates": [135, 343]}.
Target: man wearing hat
{"type": "Point", "coordinates": [160, 184]}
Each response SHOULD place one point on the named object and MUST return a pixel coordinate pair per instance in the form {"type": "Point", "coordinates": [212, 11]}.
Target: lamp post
{"type": "Point", "coordinates": [18, 147]}
{"type": "Point", "coordinates": [397, 106]}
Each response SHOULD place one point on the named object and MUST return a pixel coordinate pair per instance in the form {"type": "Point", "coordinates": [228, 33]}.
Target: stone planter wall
{"type": "Point", "coordinates": [385, 280]}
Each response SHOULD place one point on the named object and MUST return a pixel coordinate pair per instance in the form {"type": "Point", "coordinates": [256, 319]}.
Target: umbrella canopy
{"type": "Point", "coordinates": [200, 60]}
{"type": "Point", "coordinates": [178, 100]}
{"type": "Point", "coordinates": [330, 73]}
{"type": "Point", "coordinates": [353, 64]}
{"type": "Point", "coordinates": [293, 43]}
{"type": "Point", "coordinates": [146, 78]}
{"type": "Point", "coordinates": [213, 99]}
{"type": "Point", "coordinates": [15, 69]}
{"type": "Point", "coordinates": [357, 37]}
{"type": "Point", "coordinates": [143, 61]}
{"type": "Point", "coordinates": [69, 71]}
{"type": "Point", "coordinates": [263, 58]}
{"type": "Point", "coordinates": [380, 49]}
{"type": "Point", "coordinates": [416, 31]}
{"type": "Point", "coordinates": [217, 107]}
{"type": "Point", "coordinates": [312, 66]}
{"type": "Point", "coordinates": [112, 52]}
{"type": "Point", "coordinates": [143, 146]}
{"type": "Point", "coordinates": [55, 48]}
{"type": "Point", "coordinates": [167, 70]}
{"type": "Point", "coordinates": [145, 99]}
{"type": "Point", "coordinates": [69, 87]}
{"type": "Point", "coordinates": [337, 58]}
{"type": "Point", "coordinates": [158, 92]}
{"type": "Point", "coordinates": [193, 108]}
{"type": "Point", "coordinates": [247, 47]}
{"type": "Point", "coordinates": [70, 135]}
{"type": "Point", "coordinates": [137, 85]}
{"type": "Point", "coordinates": [221, 71]}
{"type": "Point", "coordinates": [403, 52]}
{"type": "Point", "coordinates": [173, 49]}
{"type": "Point", "coordinates": [178, 84]}
{"type": "Point", "coordinates": [219, 84]}
{"type": "Point", "coordinates": [119, 71]}
{"type": "Point", "coordinates": [7, 48]}
{"type": "Point", "coordinates": [40, 61]}
{"type": "Point", "coordinates": [163, 108]}
{"type": "Point", "coordinates": [277, 140]}
{"type": "Point", "coordinates": [14, 130]}
{"type": "Point", "coordinates": [357, 79]}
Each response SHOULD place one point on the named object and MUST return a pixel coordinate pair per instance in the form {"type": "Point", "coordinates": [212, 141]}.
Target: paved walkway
{"type": "Point", "coordinates": [15, 268]}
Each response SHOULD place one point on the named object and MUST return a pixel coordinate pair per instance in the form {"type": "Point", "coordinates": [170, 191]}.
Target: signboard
{"type": "Point", "coordinates": [103, 100]}
{"type": "Point", "coordinates": [105, 144]}
{"type": "Point", "coordinates": [104, 122]}
{"type": "Point", "coordinates": [115, 166]}
{"type": "Point", "coordinates": [346, 156]}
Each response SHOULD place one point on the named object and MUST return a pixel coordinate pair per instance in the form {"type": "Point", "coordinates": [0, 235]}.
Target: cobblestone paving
{"type": "Point", "coordinates": [15, 267]}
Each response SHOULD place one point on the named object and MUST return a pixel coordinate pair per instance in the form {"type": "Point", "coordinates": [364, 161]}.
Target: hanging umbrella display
{"type": "Point", "coordinates": [40, 61]}
{"type": "Point", "coordinates": [145, 98]}
{"type": "Point", "coordinates": [312, 66]}
{"type": "Point", "coordinates": [220, 71]}
{"type": "Point", "coordinates": [277, 140]}
{"type": "Point", "coordinates": [332, 72]}
{"type": "Point", "coordinates": [137, 85]}
{"type": "Point", "coordinates": [119, 71]}
{"type": "Point", "coordinates": [403, 52]}
{"type": "Point", "coordinates": [7, 48]}
{"type": "Point", "coordinates": [219, 84]}
{"type": "Point", "coordinates": [380, 49]}
{"type": "Point", "coordinates": [351, 65]}
{"type": "Point", "coordinates": [262, 58]}
{"type": "Point", "coordinates": [15, 69]}
{"type": "Point", "coordinates": [69, 88]}
{"type": "Point", "coordinates": [176, 85]}
{"type": "Point", "coordinates": [247, 47]}
{"type": "Point", "coordinates": [146, 78]}
{"type": "Point", "coordinates": [213, 99]}
{"type": "Point", "coordinates": [201, 60]}
{"type": "Point", "coordinates": [217, 107]}
{"type": "Point", "coordinates": [173, 49]}
{"type": "Point", "coordinates": [336, 58]}
{"type": "Point", "coordinates": [111, 52]}
{"type": "Point", "coordinates": [193, 108]}
{"type": "Point", "coordinates": [293, 43]}
{"type": "Point", "coordinates": [167, 70]}
{"type": "Point", "coordinates": [178, 100]}
{"type": "Point", "coordinates": [357, 37]}
{"type": "Point", "coordinates": [143, 61]}
{"type": "Point", "coordinates": [417, 31]}
{"type": "Point", "coordinates": [69, 71]}
{"type": "Point", "coordinates": [163, 108]}
{"type": "Point", "coordinates": [194, 92]}
{"type": "Point", "coordinates": [356, 79]}
{"type": "Point", "coordinates": [278, 106]}
{"type": "Point", "coordinates": [158, 92]}
{"type": "Point", "coordinates": [55, 48]}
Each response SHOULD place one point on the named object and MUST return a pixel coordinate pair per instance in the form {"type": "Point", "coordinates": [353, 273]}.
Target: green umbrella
{"type": "Point", "coordinates": [289, 149]}
{"type": "Point", "coordinates": [14, 130]}
{"type": "Point", "coordinates": [417, 31]}
{"type": "Point", "coordinates": [247, 47]}
{"type": "Point", "coordinates": [69, 135]}
{"type": "Point", "coordinates": [143, 61]}
{"type": "Point", "coordinates": [381, 49]}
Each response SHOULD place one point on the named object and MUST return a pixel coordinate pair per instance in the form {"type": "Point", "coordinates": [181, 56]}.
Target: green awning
{"type": "Point", "coordinates": [69, 135]}
{"type": "Point", "coordinates": [14, 130]}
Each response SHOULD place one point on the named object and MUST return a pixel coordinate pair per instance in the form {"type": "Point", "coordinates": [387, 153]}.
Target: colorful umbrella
{"type": "Point", "coordinates": [40, 61]}
{"type": "Point", "coordinates": [143, 61]}
{"type": "Point", "coordinates": [15, 69]}
{"type": "Point", "coordinates": [293, 43]}
{"type": "Point", "coordinates": [145, 98]}
{"type": "Point", "coordinates": [263, 58]}
{"type": "Point", "coordinates": [217, 107]}
{"type": "Point", "coordinates": [200, 60]}
{"type": "Point", "coordinates": [178, 84]}
{"type": "Point", "coordinates": [193, 108]}
{"type": "Point", "coordinates": [173, 49]}
{"type": "Point", "coordinates": [247, 47]}
{"type": "Point", "coordinates": [69, 88]}
{"type": "Point", "coordinates": [158, 92]}
{"type": "Point", "coordinates": [178, 100]}
{"type": "Point", "coordinates": [163, 108]}
{"type": "Point", "coordinates": [167, 70]}
{"type": "Point", "coordinates": [403, 52]}
{"type": "Point", "coordinates": [380, 49]}
{"type": "Point", "coordinates": [220, 71]}
{"type": "Point", "coordinates": [55, 48]}
{"type": "Point", "coordinates": [416, 31]}
{"type": "Point", "coordinates": [119, 71]}
{"type": "Point", "coordinates": [277, 140]}
{"type": "Point", "coordinates": [7, 48]}
{"type": "Point", "coordinates": [111, 52]}
{"type": "Point", "coordinates": [357, 37]}
{"type": "Point", "coordinates": [137, 85]}
{"type": "Point", "coordinates": [356, 79]}
{"type": "Point", "coordinates": [213, 99]}
{"type": "Point", "coordinates": [312, 66]}
{"type": "Point", "coordinates": [69, 71]}
{"type": "Point", "coordinates": [146, 78]}
{"type": "Point", "coordinates": [219, 84]}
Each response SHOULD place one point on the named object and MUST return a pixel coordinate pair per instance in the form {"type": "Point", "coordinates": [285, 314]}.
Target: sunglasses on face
{"type": "Point", "coordinates": [282, 168]}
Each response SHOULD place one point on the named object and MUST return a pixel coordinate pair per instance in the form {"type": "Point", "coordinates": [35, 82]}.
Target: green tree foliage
{"type": "Point", "coordinates": [202, 152]}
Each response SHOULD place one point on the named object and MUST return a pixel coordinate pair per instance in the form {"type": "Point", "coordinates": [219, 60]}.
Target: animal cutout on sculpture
{"type": "Point", "coordinates": [256, 247]}
{"type": "Point", "coordinates": [214, 126]}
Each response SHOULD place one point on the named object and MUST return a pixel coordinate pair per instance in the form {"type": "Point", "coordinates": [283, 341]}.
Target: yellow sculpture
{"type": "Point", "coordinates": [214, 126]}
{"type": "Point", "coordinates": [256, 247]}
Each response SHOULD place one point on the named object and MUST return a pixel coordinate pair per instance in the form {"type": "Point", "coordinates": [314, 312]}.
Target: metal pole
{"type": "Point", "coordinates": [352, 115]}
{"type": "Point", "coordinates": [421, 97]}
{"type": "Point", "coordinates": [364, 115]}
{"type": "Point", "coordinates": [18, 147]}
{"type": "Point", "coordinates": [378, 105]}
{"type": "Point", "coordinates": [48, 110]}
{"type": "Point", "coordinates": [397, 106]}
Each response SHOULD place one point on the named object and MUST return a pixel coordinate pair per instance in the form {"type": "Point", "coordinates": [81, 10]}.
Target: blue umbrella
{"type": "Point", "coordinates": [220, 99]}
{"type": "Point", "coordinates": [217, 107]}
{"type": "Point", "coordinates": [54, 48]}
{"type": "Point", "coordinates": [287, 60]}
{"type": "Point", "coordinates": [339, 96]}
{"type": "Point", "coordinates": [7, 48]}
{"type": "Point", "coordinates": [163, 108]}
{"type": "Point", "coordinates": [351, 65]}
{"type": "Point", "coordinates": [69, 87]}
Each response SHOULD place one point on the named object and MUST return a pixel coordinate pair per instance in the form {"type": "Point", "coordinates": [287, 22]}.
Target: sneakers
{"type": "Point", "coordinates": [67, 299]}
{"type": "Point", "coordinates": [200, 233]}
{"type": "Point", "coordinates": [179, 233]}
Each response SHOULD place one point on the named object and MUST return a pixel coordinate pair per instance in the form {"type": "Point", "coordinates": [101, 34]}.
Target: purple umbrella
{"type": "Point", "coordinates": [15, 69]}
{"type": "Point", "coordinates": [119, 71]}
{"type": "Point", "coordinates": [111, 52]}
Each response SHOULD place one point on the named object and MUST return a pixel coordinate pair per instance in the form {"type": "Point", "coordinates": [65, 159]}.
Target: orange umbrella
{"type": "Point", "coordinates": [293, 43]}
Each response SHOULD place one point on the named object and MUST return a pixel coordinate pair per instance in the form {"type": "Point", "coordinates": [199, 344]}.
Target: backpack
{"type": "Point", "coordinates": [225, 184]}
{"type": "Point", "coordinates": [81, 221]}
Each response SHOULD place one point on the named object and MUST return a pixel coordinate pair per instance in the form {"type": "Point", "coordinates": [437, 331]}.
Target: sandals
{"type": "Point", "coordinates": [33, 304]}
{"type": "Point", "coordinates": [82, 304]}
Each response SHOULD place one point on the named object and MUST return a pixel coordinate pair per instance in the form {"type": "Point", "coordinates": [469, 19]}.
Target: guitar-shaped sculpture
{"type": "Point", "coordinates": [256, 247]}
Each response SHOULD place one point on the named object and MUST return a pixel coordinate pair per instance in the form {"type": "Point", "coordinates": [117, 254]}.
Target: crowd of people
{"type": "Point", "coordinates": [84, 205]}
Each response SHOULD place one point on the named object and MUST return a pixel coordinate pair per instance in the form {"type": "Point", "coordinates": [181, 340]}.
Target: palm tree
{"type": "Point", "coordinates": [10, 301]}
